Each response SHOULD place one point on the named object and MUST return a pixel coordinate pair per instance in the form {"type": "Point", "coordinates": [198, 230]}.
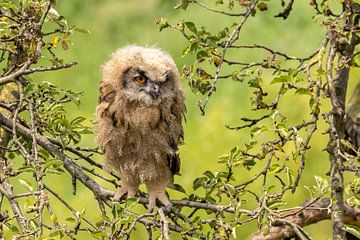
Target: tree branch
{"type": "Point", "coordinates": [69, 164]}
{"type": "Point", "coordinates": [280, 228]}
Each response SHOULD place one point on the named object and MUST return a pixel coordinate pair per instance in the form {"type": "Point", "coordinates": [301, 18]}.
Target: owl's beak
{"type": "Point", "coordinates": [153, 90]}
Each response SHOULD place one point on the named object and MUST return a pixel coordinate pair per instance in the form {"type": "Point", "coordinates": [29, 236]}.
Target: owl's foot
{"type": "Point", "coordinates": [157, 191]}
{"type": "Point", "coordinates": [124, 192]}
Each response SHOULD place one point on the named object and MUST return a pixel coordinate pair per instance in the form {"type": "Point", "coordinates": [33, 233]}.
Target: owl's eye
{"type": "Point", "coordinates": [140, 79]}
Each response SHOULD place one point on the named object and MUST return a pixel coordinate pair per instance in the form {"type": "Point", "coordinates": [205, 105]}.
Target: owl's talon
{"type": "Point", "coordinates": [119, 196]}
{"type": "Point", "coordinates": [168, 208]}
{"type": "Point", "coordinates": [158, 193]}
{"type": "Point", "coordinates": [124, 193]}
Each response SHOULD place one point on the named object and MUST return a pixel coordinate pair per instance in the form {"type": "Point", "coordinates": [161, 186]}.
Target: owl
{"type": "Point", "coordinates": [139, 117]}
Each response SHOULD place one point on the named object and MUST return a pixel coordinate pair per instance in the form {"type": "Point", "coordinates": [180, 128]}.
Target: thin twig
{"type": "Point", "coordinates": [164, 224]}
{"type": "Point", "coordinates": [216, 10]}
{"type": "Point", "coordinates": [233, 37]}
{"type": "Point", "coordinates": [25, 70]}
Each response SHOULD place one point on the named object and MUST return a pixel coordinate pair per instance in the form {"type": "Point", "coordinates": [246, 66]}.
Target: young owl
{"type": "Point", "coordinates": [139, 117]}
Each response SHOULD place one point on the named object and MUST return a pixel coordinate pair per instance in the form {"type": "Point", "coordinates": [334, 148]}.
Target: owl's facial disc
{"type": "Point", "coordinates": [137, 81]}
{"type": "Point", "coordinates": [149, 87]}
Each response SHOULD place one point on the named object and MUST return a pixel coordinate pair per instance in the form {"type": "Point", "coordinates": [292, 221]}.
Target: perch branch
{"type": "Point", "coordinates": [280, 228]}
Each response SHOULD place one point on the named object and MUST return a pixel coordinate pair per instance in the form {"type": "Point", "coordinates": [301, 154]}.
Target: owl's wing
{"type": "Point", "coordinates": [178, 110]}
{"type": "Point", "coordinates": [107, 94]}
{"type": "Point", "coordinates": [106, 99]}
{"type": "Point", "coordinates": [174, 163]}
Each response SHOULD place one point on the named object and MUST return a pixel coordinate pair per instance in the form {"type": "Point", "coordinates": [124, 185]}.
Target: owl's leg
{"type": "Point", "coordinates": [156, 190]}
{"type": "Point", "coordinates": [128, 188]}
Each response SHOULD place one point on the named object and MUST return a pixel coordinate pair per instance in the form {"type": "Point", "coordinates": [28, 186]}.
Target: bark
{"type": "Point", "coordinates": [353, 119]}
{"type": "Point", "coordinates": [290, 226]}
{"type": "Point", "coordinates": [337, 89]}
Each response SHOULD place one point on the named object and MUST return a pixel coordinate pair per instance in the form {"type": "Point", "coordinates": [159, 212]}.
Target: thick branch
{"type": "Point", "coordinates": [353, 119]}
{"type": "Point", "coordinates": [337, 89]}
{"type": "Point", "coordinates": [6, 190]}
{"type": "Point", "coordinates": [313, 213]}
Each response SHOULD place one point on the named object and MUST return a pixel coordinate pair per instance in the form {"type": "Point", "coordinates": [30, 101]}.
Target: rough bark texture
{"type": "Point", "coordinates": [353, 119]}
{"type": "Point", "coordinates": [337, 89]}
{"type": "Point", "coordinates": [290, 226]}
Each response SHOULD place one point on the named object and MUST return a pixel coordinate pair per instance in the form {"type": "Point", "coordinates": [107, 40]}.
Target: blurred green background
{"type": "Point", "coordinates": [115, 23]}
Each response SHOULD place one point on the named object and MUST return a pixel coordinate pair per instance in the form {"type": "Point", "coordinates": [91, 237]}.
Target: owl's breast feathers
{"type": "Point", "coordinates": [141, 132]}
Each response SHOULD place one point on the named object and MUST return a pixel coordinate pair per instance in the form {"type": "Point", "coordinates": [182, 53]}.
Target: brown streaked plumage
{"type": "Point", "coordinates": [139, 117]}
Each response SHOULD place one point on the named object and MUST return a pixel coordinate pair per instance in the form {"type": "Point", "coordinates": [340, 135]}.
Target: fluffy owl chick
{"type": "Point", "coordinates": [139, 117]}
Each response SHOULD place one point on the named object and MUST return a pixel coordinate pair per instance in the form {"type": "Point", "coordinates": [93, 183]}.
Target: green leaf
{"type": "Point", "coordinates": [196, 219]}
{"type": "Point", "coordinates": [322, 186]}
{"type": "Point", "coordinates": [353, 230]}
{"type": "Point", "coordinates": [282, 129]}
{"type": "Point", "coordinates": [274, 168]}
{"type": "Point", "coordinates": [11, 155]}
{"type": "Point", "coordinates": [234, 150]}
{"type": "Point", "coordinates": [183, 5]}
{"type": "Point", "coordinates": [281, 79]}
{"type": "Point", "coordinates": [82, 30]}
{"type": "Point", "coordinates": [191, 49]}
{"type": "Point", "coordinates": [99, 234]}
{"type": "Point", "coordinates": [77, 120]}
{"type": "Point", "coordinates": [198, 182]}
{"type": "Point", "coordinates": [53, 163]}
{"type": "Point", "coordinates": [209, 174]}
{"type": "Point", "coordinates": [28, 89]}
{"type": "Point", "coordinates": [194, 47]}
{"type": "Point", "coordinates": [191, 26]}
{"type": "Point", "coordinates": [210, 199]}
{"type": "Point", "coordinates": [255, 131]}
{"type": "Point", "coordinates": [130, 202]}
{"type": "Point", "coordinates": [230, 189]}
{"type": "Point", "coordinates": [57, 171]}
{"type": "Point", "coordinates": [293, 73]}
{"type": "Point", "coordinates": [201, 55]}
{"type": "Point", "coordinates": [71, 219]}
{"type": "Point", "coordinates": [262, 6]}
{"type": "Point", "coordinates": [27, 169]}
{"type": "Point", "coordinates": [248, 163]}
{"type": "Point", "coordinates": [62, 235]}
{"type": "Point", "coordinates": [7, 5]}
{"type": "Point", "coordinates": [211, 41]}
{"type": "Point", "coordinates": [320, 72]}
{"type": "Point", "coordinates": [303, 91]}
{"type": "Point", "coordinates": [274, 204]}
{"type": "Point", "coordinates": [12, 228]}
{"type": "Point", "coordinates": [256, 82]}
{"type": "Point", "coordinates": [26, 184]}
{"type": "Point", "coordinates": [314, 106]}
{"type": "Point", "coordinates": [179, 188]}
{"type": "Point", "coordinates": [290, 176]}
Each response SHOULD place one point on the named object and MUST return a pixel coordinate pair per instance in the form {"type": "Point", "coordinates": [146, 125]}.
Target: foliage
{"type": "Point", "coordinates": [39, 141]}
{"type": "Point", "coordinates": [274, 137]}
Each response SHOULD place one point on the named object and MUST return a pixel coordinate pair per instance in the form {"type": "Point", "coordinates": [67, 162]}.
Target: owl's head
{"type": "Point", "coordinates": [144, 74]}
